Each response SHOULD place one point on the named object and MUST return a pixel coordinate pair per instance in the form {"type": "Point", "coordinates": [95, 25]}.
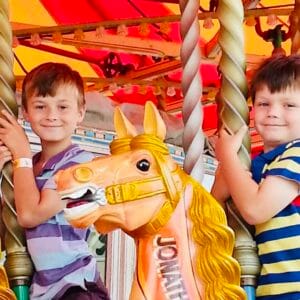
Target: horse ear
{"type": "Point", "coordinates": [123, 126]}
{"type": "Point", "coordinates": [153, 122]}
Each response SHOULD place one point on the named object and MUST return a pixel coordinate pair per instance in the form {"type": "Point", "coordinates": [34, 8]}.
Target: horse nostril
{"type": "Point", "coordinates": [83, 174]}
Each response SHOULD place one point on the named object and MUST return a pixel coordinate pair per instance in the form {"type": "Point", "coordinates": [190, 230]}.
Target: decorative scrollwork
{"type": "Point", "coordinates": [112, 66]}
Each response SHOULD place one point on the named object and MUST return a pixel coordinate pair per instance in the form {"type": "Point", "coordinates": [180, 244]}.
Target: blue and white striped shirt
{"type": "Point", "coordinates": [278, 239]}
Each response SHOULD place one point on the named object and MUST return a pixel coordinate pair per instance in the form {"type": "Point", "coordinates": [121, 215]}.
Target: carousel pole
{"type": "Point", "coordinates": [295, 28]}
{"type": "Point", "coordinates": [234, 113]}
{"type": "Point", "coordinates": [17, 263]}
{"type": "Point", "coordinates": [193, 138]}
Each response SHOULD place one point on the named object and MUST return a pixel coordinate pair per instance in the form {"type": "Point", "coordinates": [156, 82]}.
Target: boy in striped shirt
{"type": "Point", "coordinates": [53, 103]}
{"type": "Point", "coordinates": [270, 199]}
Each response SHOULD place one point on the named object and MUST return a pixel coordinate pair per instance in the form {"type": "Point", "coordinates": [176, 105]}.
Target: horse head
{"type": "Point", "coordinates": [140, 168]}
{"type": "Point", "coordinates": [179, 228]}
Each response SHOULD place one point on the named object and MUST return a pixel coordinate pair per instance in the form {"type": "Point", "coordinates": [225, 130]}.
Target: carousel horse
{"type": "Point", "coordinates": [183, 244]}
{"type": "Point", "coordinates": [5, 292]}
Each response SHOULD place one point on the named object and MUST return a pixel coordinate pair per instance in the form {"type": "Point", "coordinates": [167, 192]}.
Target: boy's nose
{"type": "Point", "coordinates": [51, 114]}
{"type": "Point", "coordinates": [273, 111]}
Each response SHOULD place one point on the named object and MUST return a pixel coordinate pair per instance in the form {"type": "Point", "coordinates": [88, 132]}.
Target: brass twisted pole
{"type": "Point", "coordinates": [193, 139]}
{"type": "Point", "coordinates": [17, 264]}
{"type": "Point", "coordinates": [234, 113]}
{"type": "Point", "coordinates": [295, 28]}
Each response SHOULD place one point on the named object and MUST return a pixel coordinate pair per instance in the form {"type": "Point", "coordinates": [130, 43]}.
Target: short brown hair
{"type": "Point", "coordinates": [44, 80]}
{"type": "Point", "coordinates": [277, 72]}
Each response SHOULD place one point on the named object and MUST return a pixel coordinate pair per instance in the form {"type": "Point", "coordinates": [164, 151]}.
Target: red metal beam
{"type": "Point", "coordinates": [164, 1]}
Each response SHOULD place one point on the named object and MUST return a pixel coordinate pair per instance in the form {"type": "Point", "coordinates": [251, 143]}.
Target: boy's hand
{"type": "Point", "coordinates": [219, 189]}
{"type": "Point", "coordinates": [13, 136]}
{"type": "Point", "coordinates": [5, 155]}
{"type": "Point", "coordinates": [228, 144]}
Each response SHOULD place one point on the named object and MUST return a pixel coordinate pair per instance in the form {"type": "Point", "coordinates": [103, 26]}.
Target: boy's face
{"type": "Point", "coordinates": [277, 116]}
{"type": "Point", "coordinates": [54, 119]}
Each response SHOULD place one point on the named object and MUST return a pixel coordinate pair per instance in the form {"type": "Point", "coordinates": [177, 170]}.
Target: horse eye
{"type": "Point", "coordinates": [143, 165]}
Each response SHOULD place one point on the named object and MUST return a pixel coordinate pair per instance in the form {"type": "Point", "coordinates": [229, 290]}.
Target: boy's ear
{"type": "Point", "coordinates": [24, 113]}
{"type": "Point", "coordinates": [81, 111]}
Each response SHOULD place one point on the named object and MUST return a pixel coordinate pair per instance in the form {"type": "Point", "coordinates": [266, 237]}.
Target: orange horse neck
{"type": "Point", "coordinates": [170, 252]}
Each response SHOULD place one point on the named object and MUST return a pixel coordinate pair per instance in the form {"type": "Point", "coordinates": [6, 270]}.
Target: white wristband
{"type": "Point", "coordinates": [22, 162]}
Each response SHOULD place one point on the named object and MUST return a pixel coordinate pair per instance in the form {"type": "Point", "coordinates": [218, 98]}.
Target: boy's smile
{"type": "Point", "coordinates": [277, 116]}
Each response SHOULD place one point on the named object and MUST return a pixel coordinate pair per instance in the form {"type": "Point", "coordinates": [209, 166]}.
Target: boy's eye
{"type": "Point", "coordinates": [39, 106]}
{"type": "Point", "coordinates": [262, 104]}
{"type": "Point", "coordinates": [289, 105]}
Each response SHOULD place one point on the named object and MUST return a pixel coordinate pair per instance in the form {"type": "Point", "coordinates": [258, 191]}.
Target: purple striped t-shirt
{"type": "Point", "coordinates": [59, 252]}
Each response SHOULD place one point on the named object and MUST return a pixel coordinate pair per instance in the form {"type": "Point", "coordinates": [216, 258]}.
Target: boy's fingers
{"type": "Point", "coordinates": [4, 161]}
{"type": "Point", "coordinates": [223, 132]}
{"type": "Point", "coordinates": [242, 131]}
{"type": "Point", "coordinates": [8, 116]}
{"type": "Point", "coordinates": [7, 123]}
{"type": "Point", "coordinates": [3, 148]}
{"type": "Point", "coordinates": [6, 157]}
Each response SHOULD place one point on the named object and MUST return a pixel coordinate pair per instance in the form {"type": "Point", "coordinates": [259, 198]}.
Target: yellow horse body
{"type": "Point", "coordinates": [183, 244]}
{"type": "Point", "coordinates": [5, 292]}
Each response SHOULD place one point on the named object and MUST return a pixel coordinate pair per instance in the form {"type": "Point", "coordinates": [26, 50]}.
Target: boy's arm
{"type": "Point", "coordinates": [219, 188]}
{"type": "Point", "coordinates": [256, 203]}
{"type": "Point", "coordinates": [32, 207]}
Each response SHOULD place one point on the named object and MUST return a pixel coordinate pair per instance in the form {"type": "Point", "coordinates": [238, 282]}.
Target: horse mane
{"type": "Point", "coordinates": [214, 241]}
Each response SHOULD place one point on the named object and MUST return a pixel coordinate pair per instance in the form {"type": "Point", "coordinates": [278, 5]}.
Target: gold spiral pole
{"type": "Point", "coordinates": [234, 113]}
{"type": "Point", "coordinates": [295, 28]}
{"type": "Point", "coordinates": [193, 139]}
{"type": "Point", "coordinates": [17, 264]}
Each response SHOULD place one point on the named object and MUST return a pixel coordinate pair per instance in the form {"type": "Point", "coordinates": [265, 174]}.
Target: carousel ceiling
{"type": "Point", "coordinates": [129, 50]}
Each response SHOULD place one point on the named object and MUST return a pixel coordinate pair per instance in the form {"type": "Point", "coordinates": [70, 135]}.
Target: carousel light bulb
{"type": "Point", "coordinates": [143, 89]}
{"type": "Point", "coordinates": [171, 92]}
{"type": "Point", "coordinates": [157, 90]}
{"type": "Point", "coordinates": [208, 23]}
{"type": "Point", "coordinates": [78, 34]}
{"type": "Point", "coordinates": [122, 30]}
{"type": "Point", "coordinates": [250, 21]}
{"type": "Point", "coordinates": [128, 89]}
{"type": "Point", "coordinates": [35, 39]}
{"type": "Point", "coordinates": [144, 29]}
{"type": "Point", "coordinates": [165, 27]}
{"type": "Point", "coordinates": [57, 37]}
{"type": "Point", "coordinates": [15, 42]}
{"type": "Point", "coordinates": [272, 20]}
{"type": "Point", "coordinates": [100, 31]}
{"type": "Point", "coordinates": [113, 87]}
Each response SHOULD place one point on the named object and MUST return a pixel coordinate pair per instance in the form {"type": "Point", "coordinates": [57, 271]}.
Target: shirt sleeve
{"type": "Point", "coordinates": [287, 165]}
{"type": "Point", "coordinates": [50, 184]}
{"type": "Point", "coordinates": [81, 158]}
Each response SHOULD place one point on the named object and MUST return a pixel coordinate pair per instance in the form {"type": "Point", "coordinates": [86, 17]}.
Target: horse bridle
{"type": "Point", "coordinates": [169, 183]}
